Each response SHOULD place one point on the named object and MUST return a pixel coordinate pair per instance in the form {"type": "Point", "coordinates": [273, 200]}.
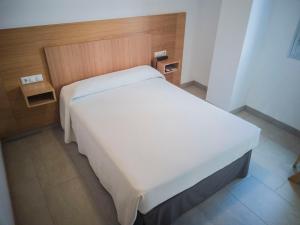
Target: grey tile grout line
{"type": "Point", "coordinates": [277, 188]}
{"type": "Point", "coordinates": [273, 121]}
{"type": "Point", "coordinates": [279, 195]}
{"type": "Point", "coordinates": [51, 187]}
{"type": "Point", "coordinates": [285, 148]}
{"type": "Point", "coordinates": [292, 148]}
{"type": "Point", "coordinates": [273, 139]}
{"type": "Point", "coordinates": [26, 134]}
{"type": "Point", "coordinates": [254, 213]}
{"type": "Point", "coordinates": [274, 191]}
{"type": "Point", "coordinates": [54, 222]}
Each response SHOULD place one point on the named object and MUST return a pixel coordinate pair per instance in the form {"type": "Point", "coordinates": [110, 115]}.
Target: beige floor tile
{"type": "Point", "coordinates": [291, 193]}
{"type": "Point", "coordinates": [296, 149]}
{"type": "Point", "coordinates": [277, 153]}
{"type": "Point", "coordinates": [102, 198]}
{"type": "Point", "coordinates": [201, 93]}
{"type": "Point", "coordinates": [48, 147]}
{"type": "Point", "coordinates": [49, 159]}
{"type": "Point", "coordinates": [224, 208]}
{"type": "Point", "coordinates": [70, 203]}
{"type": "Point", "coordinates": [263, 139]}
{"type": "Point", "coordinates": [265, 126]}
{"type": "Point", "coordinates": [18, 164]}
{"type": "Point", "coordinates": [242, 114]}
{"type": "Point", "coordinates": [29, 204]}
{"type": "Point", "coordinates": [17, 151]}
{"type": "Point", "coordinates": [286, 139]}
{"type": "Point", "coordinates": [193, 217]}
{"type": "Point", "coordinates": [264, 202]}
{"type": "Point", "coordinates": [270, 130]}
{"type": "Point", "coordinates": [52, 168]}
{"type": "Point", "coordinates": [33, 215]}
{"type": "Point", "coordinates": [254, 120]}
{"type": "Point", "coordinates": [266, 176]}
{"type": "Point", "coordinates": [271, 157]}
{"type": "Point", "coordinates": [272, 162]}
{"type": "Point", "coordinates": [28, 200]}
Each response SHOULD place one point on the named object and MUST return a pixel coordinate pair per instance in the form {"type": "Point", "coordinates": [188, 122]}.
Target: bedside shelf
{"type": "Point", "coordinates": [37, 94]}
{"type": "Point", "coordinates": [169, 68]}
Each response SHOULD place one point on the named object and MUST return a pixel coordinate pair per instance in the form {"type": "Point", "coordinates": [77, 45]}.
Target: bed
{"type": "Point", "coordinates": [157, 149]}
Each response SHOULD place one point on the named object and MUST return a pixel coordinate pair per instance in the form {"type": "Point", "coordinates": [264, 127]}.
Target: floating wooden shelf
{"type": "Point", "coordinates": [37, 94]}
{"type": "Point", "coordinates": [168, 66]}
{"type": "Point", "coordinates": [169, 69]}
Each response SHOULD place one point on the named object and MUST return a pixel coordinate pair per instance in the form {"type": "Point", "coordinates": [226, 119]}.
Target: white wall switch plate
{"type": "Point", "coordinates": [160, 53]}
{"type": "Point", "coordinates": [32, 79]}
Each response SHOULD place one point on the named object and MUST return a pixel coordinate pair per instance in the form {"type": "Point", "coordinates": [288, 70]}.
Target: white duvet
{"type": "Point", "coordinates": [148, 140]}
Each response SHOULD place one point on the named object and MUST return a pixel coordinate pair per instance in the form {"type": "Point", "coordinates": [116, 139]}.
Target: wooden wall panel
{"type": "Point", "coordinates": [70, 63]}
{"type": "Point", "coordinates": [21, 53]}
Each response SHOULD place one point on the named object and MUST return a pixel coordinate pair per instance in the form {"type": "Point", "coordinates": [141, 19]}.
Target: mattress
{"type": "Point", "coordinates": [169, 211]}
{"type": "Point", "coordinates": [150, 140]}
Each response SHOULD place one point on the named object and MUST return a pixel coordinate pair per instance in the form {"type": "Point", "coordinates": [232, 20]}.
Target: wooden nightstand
{"type": "Point", "coordinates": [37, 94]}
{"type": "Point", "coordinates": [170, 68]}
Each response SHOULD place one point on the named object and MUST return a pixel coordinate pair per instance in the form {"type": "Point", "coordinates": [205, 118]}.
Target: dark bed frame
{"type": "Point", "coordinates": [167, 212]}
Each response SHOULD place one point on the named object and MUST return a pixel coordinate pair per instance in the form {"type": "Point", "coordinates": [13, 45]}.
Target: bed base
{"type": "Point", "coordinates": [167, 212]}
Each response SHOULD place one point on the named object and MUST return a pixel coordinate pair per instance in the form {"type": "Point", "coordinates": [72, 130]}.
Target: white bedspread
{"type": "Point", "coordinates": [149, 140]}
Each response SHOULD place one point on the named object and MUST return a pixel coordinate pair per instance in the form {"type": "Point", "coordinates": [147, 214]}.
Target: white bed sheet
{"type": "Point", "coordinates": [150, 140]}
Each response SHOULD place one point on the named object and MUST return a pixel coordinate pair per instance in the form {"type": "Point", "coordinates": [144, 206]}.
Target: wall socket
{"type": "Point", "coordinates": [32, 79]}
{"type": "Point", "coordinates": [160, 53]}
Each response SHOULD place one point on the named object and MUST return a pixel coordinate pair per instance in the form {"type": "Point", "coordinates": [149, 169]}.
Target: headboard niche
{"type": "Point", "coordinates": [70, 63]}
{"type": "Point", "coordinates": [75, 51]}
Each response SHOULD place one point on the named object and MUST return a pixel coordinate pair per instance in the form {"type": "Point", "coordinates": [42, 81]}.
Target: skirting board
{"type": "Point", "coordinates": [195, 83]}
{"type": "Point", "coordinates": [28, 133]}
{"type": "Point", "coordinates": [267, 118]}
{"type": "Point", "coordinates": [240, 109]}
{"type": "Point", "coordinates": [250, 110]}
{"type": "Point", "coordinates": [273, 121]}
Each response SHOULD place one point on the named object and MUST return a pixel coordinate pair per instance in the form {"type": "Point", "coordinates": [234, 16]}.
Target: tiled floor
{"type": "Point", "coordinates": [199, 92]}
{"type": "Point", "coordinates": [52, 184]}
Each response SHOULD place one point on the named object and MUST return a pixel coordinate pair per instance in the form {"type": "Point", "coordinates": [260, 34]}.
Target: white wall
{"type": "Point", "coordinates": [231, 32]}
{"type": "Point", "coordinates": [256, 71]}
{"type": "Point", "coordinates": [258, 22]}
{"type": "Point", "coordinates": [16, 13]}
{"type": "Point", "coordinates": [275, 90]}
{"type": "Point", "coordinates": [204, 40]}
{"type": "Point", "coordinates": [6, 215]}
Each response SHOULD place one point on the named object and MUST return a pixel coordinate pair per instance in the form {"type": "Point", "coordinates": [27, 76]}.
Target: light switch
{"type": "Point", "coordinates": [32, 79]}
{"type": "Point", "coordinates": [160, 53]}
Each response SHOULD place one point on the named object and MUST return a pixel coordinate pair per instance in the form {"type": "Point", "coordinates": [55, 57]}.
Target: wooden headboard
{"type": "Point", "coordinates": [70, 63]}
